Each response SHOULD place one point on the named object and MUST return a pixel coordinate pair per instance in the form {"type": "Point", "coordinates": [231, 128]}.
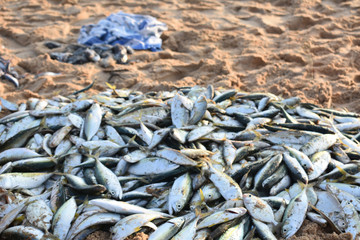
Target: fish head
{"type": "Point", "coordinates": [176, 206]}
{"type": "Point", "coordinates": [331, 188]}
{"type": "Point", "coordinates": [248, 198]}
{"type": "Point", "coordinates": [341, 224]}
{"type": "Point", "coordinates": [116, 193]}
{"type": "Point", "coordinates": [308, 167]}
{"type": "Point", "coordinates": [287, 231]}
{"type": "Point", "coordinates": [100, 188]}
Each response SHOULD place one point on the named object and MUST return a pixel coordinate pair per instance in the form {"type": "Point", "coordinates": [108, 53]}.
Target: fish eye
{"type": "Point", "coordinates": [342, 223]}
{"type": "Point", "coordinates": [178, 206]}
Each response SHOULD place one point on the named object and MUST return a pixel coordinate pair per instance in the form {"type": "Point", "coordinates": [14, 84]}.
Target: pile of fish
{"type": "Point", "coordinates": [8, 73]}
{"type": "Point", "coordinates": [102, 53]}
{"type": "Point", "coordinates": [193, 163]}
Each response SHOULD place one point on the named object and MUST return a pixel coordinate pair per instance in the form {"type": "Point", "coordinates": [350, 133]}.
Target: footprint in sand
{"type": "Point", "coordinates": [293, 58]}
{"type": "Point", "coordinates": [249, 62]}
{"type": "Point", "coordinates": [300, 22]}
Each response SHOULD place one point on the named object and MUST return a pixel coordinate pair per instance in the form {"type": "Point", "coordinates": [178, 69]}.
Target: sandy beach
{"type": "Point", "coordinates": [308, 48]}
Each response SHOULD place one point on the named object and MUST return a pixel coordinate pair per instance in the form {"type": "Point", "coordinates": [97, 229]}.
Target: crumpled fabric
{"type": "Point", "coordinates": [137, 31]}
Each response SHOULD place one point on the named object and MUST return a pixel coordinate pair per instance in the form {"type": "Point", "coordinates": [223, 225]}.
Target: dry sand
{"type": "Point", "coordinates": [304, 48]}
{"type": "Point", "coordinates": [308, 48]}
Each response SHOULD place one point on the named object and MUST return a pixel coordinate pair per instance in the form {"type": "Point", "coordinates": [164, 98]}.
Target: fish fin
{"type": "Point", "coordinates": [19, 219]}
{"type": "Point", "coordinates": [59, 173]}
{"type": "Point", "coordinates": [144, 180]}
{"type": "Point", "coordinates": [95, 155]}
{"type": "Point", "coordinates": [331, 223]}
{"type": "Point", "coordinates": [223, 139]}
{"type": "Point", "coordinates": [343, 172]}
{"type": "Point", "coordinates": [112, 87]}
{"type": "Point", "coordinates": [250, 234]}
{"type": "Point", "coordinates": [330, 121]}
{"type": "Point", "coordinates": [143, 149]}
{"type": "Point", "coordinates": [46, 232]}
{"type": "Point", "coordinates": [197, 211]}
{"type": "Point", "coordinates": [348, 149]}
{"type": "Point", "coordinates": [243, 179]}
{"type": "Point", "coordinates": [199, 214]}
{"type": "Point", "coordinates": [336, 154]}
{"type": "Point", "coordinates": [27, 202]}
{"type": "Point", "coordinates": [258, 136]}
{"type": "Point", "coordinates": [49, 235]}
{"type": "Point", "coordinates": [139, 117]}
{"type": "Point", "coordinates": [77, 215]}
{"type": "Point", "coordinates": [43, 124]}
{"type": "Point", "coordinates": [7, 66]}
{"type": "Point", "coordinates": [56, 93]}
{"type": "Point", "coordinates": [302, 185]}
{"type": "Point", "coordinates": [70, 169]}
{"type": "Point", "coordinates": [86, 200]}
{"type": "Point", "coordinates": [202, 197]}
{"type": "Point", "coordinates": [132, 141]}
{"type": "Point", "coordinates": [205, 161]}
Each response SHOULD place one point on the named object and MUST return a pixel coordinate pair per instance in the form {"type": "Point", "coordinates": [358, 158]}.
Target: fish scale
{"type": "Point", "coordinates": [194, 150]}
